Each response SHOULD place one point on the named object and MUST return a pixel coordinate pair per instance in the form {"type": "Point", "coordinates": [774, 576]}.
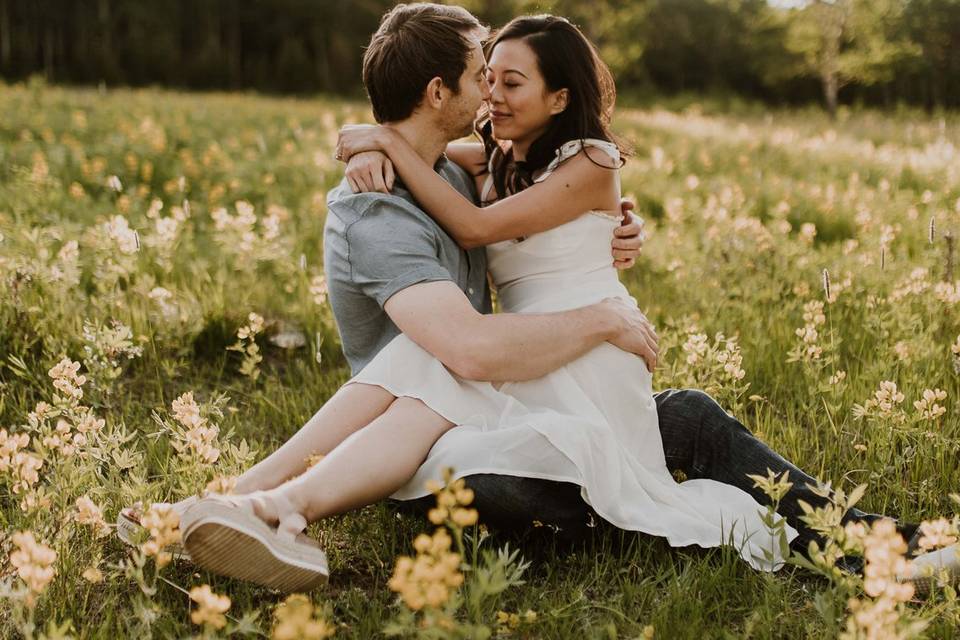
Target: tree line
{"type": "Point", "coordinates": [877, 52]}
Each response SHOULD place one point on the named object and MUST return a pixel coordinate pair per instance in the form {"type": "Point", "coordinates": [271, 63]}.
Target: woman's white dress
{"type": "Point", "coordinates": [592, 422]}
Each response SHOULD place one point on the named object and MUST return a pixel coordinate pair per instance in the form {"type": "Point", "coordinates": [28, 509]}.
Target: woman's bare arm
{"type": "Point", "coordinates": [373, 171]}
{"type": "Point", "coordinates": [468, 155]}
{"type": "Point", "coordinates": [578, 185]}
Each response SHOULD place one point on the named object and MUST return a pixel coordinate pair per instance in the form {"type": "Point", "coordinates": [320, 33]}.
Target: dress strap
{"type": "Point", "coordinates": [572, 147]}
{"type": "Point", "coordinates": [487, 188]}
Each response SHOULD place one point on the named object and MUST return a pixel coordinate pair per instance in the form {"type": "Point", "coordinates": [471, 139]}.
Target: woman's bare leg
{"type": "Point", "coordinates": [368, 466]}
{"type": "Point", "coordinates": [352, 407]}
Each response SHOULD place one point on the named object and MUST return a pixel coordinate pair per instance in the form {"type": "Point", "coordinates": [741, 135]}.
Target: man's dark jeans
{"type": "Point", "coordinates": [700, 439]}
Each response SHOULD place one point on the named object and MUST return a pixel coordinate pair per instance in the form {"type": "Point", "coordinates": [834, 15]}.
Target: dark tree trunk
{"type": "Point", "coordinates": [5, 42]}
{"type": "Point", "coordinates": [81, 48]}
{"type": "Point", "coordinates": [106, 39]}
{"type": "Point", "coordinates": [831, 87]}
{"type": "Point", "coordinates": [48, 51]}
{"type": "Point", "coordinates": [235, 48]}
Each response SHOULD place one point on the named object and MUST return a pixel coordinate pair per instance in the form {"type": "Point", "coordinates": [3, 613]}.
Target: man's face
{"type": "Point", "coordinates": [462, 109]}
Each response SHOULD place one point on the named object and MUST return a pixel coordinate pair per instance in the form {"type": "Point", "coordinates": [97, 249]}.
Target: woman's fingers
{"type": "Point", "coordinates": [388, 174]}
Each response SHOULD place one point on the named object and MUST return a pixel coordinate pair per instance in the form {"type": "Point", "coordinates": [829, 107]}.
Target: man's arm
{"type": "Point", "coordinates": [512, 347]}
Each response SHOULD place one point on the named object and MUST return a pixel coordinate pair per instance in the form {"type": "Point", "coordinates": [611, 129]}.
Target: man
{"type": "Point", "coordinates": [391, 268]}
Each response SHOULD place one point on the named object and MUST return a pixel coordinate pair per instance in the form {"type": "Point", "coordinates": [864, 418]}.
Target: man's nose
{"type": "Point", "coordinates": [485, 90]}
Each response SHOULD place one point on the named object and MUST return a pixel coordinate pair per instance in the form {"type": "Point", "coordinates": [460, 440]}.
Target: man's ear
{"type": "Point", "coordinates": [435, 94]}
{"type": "Point", "coordinates": [560, 101]}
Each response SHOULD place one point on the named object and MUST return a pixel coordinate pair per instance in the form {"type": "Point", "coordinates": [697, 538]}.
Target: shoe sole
{"type": "Point", "coordinates": [228, 541]}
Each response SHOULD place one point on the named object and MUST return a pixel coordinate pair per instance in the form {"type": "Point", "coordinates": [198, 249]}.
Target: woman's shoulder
{"type": "Point", "coordinates": [584, 152]}
{"type": "Point", "coordinates": [571, 148]}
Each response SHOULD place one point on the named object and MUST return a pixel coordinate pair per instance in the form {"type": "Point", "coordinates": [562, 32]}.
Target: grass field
{"type": "Point", "coordinates": [123, 248]}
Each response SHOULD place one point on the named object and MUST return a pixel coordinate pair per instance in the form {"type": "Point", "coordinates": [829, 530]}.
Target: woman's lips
{"type": "Point", "coordinates": [494, 115]}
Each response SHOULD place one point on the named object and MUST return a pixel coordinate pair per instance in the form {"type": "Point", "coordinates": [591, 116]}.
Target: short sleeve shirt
{"type": "Point", "coordinates": [377, 244]}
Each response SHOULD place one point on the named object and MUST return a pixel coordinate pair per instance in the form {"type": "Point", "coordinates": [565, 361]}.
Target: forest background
{"type": "Point", "coordinates": [885, 53]}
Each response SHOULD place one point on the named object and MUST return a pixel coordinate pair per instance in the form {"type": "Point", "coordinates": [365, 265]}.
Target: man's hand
{"type": "Point", "coordinates": [634, 331]}
{"type": "Point", "coordinates": [628, 237]}
{"type": "Point", "coordinates": [370, 171]}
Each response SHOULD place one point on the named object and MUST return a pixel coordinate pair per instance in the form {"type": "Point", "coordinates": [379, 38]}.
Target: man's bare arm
{"type": "Point", "coordinates": [512, 347]}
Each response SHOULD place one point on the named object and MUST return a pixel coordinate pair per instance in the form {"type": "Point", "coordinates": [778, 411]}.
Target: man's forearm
{"type": "Point", "coordinates": [512, 347]}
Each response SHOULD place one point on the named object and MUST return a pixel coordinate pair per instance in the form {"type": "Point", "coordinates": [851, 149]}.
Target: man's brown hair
{"type": "Point", "coordinates": [414, 44]}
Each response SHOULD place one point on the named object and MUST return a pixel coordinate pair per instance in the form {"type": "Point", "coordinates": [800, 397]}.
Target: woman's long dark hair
{"type": "Point", "coordinates": [567, 60]}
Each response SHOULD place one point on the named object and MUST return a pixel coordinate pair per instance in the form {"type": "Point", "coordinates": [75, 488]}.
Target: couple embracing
{"type": "Point", "coordinates": [545, 409]}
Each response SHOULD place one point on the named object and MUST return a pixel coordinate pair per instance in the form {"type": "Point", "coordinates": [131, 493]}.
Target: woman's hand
{"type": "Point", "coordinates": [356, 138]}
{"type": "Point", "coordinates": [370, 171]}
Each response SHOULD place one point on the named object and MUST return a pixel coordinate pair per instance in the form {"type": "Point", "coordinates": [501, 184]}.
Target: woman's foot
{"type": "Point", "coordinates": [275, 509]}
{"type": "Point", "coordinates": [235, 536]}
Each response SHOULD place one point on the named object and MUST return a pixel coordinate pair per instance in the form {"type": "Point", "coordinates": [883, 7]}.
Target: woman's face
{"type": "Point", "coordinates": [520, 103]}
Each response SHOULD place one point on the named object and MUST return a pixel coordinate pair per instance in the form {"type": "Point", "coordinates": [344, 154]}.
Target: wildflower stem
{"type": "Point", "coordinates": [226, 615]}
{"type": "Point", "coordinates": [948, 257]}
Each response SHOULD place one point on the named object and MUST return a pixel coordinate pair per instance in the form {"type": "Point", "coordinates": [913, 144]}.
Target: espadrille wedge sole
{"type": "Point", "coordinates": [231, 541]}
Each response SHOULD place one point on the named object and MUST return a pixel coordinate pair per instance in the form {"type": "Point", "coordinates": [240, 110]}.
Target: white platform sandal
{"type": "Point", "coordinates": [224, 535]}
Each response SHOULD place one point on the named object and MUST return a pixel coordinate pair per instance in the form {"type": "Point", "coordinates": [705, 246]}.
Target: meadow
{"type": "Point", "coordinates": [164, 325]}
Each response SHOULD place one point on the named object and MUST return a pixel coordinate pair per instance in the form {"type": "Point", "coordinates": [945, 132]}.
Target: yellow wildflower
{"type": "Point", "coordinates": [222, 484]}
{"type": "Point", "coordinates": [211, 607]}
{"type": "Point", "coordinates": [318, 289]}
{"type": "Point", "coordinates": [34, 563]}
{"type": "Point", "coordinates": [938, 533]}
{"type": "Point", "coordinates": [92, 575]}
{"type": "Point", "coordinates": [88, 513]}
{"type": "Point", "coordinates": [163, 524]}
{"type": "Point", "coordinates": [464, 517]}
{"type": "Point", "coordinates": [294, 620]}
{"type": "Point", "coordinates": [428, 579]}
{"type": "Point", "coordinates": [66, 379]}
{"type": "Point", "coordinates": [927, 406]}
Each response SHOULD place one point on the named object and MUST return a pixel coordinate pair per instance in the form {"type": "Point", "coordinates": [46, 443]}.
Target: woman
{"type": "Point", "coordinates": [552, 193]}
